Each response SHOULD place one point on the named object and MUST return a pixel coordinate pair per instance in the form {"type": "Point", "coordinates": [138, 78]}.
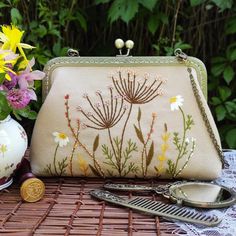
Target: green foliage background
{"type": "Point", "coordinates": [202, 28]}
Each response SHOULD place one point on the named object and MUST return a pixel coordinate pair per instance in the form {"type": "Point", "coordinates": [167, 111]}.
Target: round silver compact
{"type": "Point", "coordinates": [194, 194]}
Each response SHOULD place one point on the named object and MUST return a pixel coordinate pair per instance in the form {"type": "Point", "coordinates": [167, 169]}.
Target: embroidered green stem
{"type": "Point", "coordinates": [114, 151]}
{"type": "Point", "coordinates": [72, 155]}
{"type": "Point", "coordinates": [186, 162]}
{"type": "Point", "coordinates": [48, 170]}
{"type": "Point", "coordinates": [181, 149]}
{"type": "Point", "coordinates": [147, 155]}
{"type": "Point", "coordinates": [144, 149]}
{"type": "Point", "coordinates": [54, 160]}
{"type": "Point", "coordinates": [122, 138]}
{"type": "Point", "coordinates": [145, 145]}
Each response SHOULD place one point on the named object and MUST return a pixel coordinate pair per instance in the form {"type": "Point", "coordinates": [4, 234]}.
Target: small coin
{"type": "Point", "coordinates": [32, 190]}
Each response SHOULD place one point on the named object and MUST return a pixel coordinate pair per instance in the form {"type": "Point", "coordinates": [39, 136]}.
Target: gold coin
{"type": "Point", "coordinates": [32, 190]}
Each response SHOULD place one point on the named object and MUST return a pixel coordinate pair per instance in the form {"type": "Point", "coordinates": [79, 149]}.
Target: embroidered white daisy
{"type": "Point", "coordinates": [176, 102]}
{"type": "Point", "coordinates": [61, 138]}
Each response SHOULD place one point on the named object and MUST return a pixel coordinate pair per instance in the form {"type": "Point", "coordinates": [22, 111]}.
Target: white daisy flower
{"type": "Point", "coordinates": [61, 138]}
{"type": "Point", "coordinates": [176, 102]}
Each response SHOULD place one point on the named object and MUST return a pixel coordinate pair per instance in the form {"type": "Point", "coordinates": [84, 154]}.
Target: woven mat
{"type": "Point", "coordinates": [68, 209]}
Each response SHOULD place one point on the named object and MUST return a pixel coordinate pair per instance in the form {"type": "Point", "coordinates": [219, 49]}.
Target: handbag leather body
{"type": "Point", "coordinates": [144, 117]}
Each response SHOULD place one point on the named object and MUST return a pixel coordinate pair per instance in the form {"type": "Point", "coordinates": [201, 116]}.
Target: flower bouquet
{"type": "Point", "coordinates": [16, 92]}
{"type": "Point", "coordinates": [16, 75]}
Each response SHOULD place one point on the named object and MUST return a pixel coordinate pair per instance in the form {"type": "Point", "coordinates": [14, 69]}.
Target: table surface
{"type": "Point", "coordinates": [68, 209]}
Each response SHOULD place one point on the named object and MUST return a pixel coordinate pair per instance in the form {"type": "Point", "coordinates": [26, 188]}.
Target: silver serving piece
{"type": "Point", "coordinates": [194, 194]}
{"type": "Point", "coordinates": [169, 211]}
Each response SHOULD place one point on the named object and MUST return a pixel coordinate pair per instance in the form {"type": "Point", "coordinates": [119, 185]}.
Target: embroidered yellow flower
{"type": "Point", "coordinates": [161, 158]}
{"type": "Point", "coordinates": [176, 102]}
{"type": "Point", "coordinates": [61, 138]}
{"type": "Point", "coordinates": [11, 38]}
{"type": "Point", "coordinates": [3, 149]}
{"type": "Point", "coordinates": [165, 137]}
{"type": "Point", "coordinates": [83, 165]}
{"type": "Point", "coordinates": [164, 148]}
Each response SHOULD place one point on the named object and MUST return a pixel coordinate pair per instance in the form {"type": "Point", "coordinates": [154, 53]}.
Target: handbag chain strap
{"type": "Point", "coordinates": [181, 56]}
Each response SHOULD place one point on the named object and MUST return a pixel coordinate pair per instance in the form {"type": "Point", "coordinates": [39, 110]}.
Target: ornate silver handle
{"type": "Point", "coordinates": [127, 187]}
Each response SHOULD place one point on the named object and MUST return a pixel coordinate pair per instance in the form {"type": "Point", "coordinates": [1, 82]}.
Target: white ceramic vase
{"type": "Point", "coordinates": [13, 144]}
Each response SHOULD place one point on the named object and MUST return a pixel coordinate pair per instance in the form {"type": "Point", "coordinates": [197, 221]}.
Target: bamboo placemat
{"type": "Point", "coordinates": [68, 209]}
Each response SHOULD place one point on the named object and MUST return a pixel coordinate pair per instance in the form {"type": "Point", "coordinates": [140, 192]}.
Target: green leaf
{"type": "Point", "coordinates": [232, 56]}
{"type": "Point", "coordinates": [150, 154]}
{"type": "Point", "coordinates": [139, 134]}
{"type": "Point", "coordinates": [82, 21]}
{"type": "Point", "coordinates": [101, 1]}
{"type": "Point", "coordinates": [123, 9]}
{"type": "Point", "coordinates": [231, 138]}
{"type": "Point", "coordinates": [16, 17]}
{"type": "Point", "coordinates": [223, 4]}
{"type": "Point", "coordinates": [3, 5]}
{"type": "Point", "coordinates": [228, 74]}
{"type": "Point", "coordinates": [149, 4]}
{"type": "Point", "coordinates": [163, 17]}
{"type": "Point", "coordinates": [96, 143]}
{"type": "Point", "coordinates": [231, 26]}
{"type": "Point", "coordinates": [153, 23]}
{"type": "Point", "coordinates": [220, 112]}
{"type": "Point", "coordinates": [182, 45]}
{"type": "Point", "coordinates": [41, 31]}
{"type": "Point", "coordinates": [139, 114]}
{"type": "Point", "coordinates": [231, 106]}
{"type": "Point", "coordinates": [54, 32]}
{"type": "Point", "coordinates": [5, 109]}
{"type": "Point", "coordinates": [215, 101]}
{"type": "Point", "coordinates": [216, 60]}
{"type": "Point", "coordinates": [194, 3]}
{"type": "Point", "coordinates": [225, 93]}
{"type": "Point", "coordinates": [26, 112]}
{"type": "Point", "coordinates": [217, 69]}
{"type": "Point", "coordinates": [2, 77]}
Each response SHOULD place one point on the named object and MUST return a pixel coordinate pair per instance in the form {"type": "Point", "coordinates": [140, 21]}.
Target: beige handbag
{"type": "Point", "coordinates": [126, 117]}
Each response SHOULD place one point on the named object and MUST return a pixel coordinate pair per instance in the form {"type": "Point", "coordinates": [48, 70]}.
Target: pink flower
{"type": "Point", "coordinates": [26, 78]}
{"type": "Point", "coordinates": [18, 98]}
{"type": "Point", "coordinates": [12, 83]}
{"type": "Point", "coordinates": [9, 55]}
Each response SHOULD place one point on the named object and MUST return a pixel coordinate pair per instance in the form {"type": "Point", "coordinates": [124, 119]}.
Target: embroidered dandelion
{"type": "Point", "coordinates": [176, 102]}
{"type": "Point", "coordinates": [136, 92]}
{"type": "Point", "coordinates": [61, 138]}
{"type": "Point", "coordinates": [104, 114]}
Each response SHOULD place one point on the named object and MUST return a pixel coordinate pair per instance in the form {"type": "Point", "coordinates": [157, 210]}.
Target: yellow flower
{"type": "Point", "coordinates": [176, 102]}
{"type": "Point", "coordinates": [11, 38]}
{"type": "Point", "coordinates": [161, 157]}
{"type": "Point", "coordinates": [3, 148]}
{"type": "Point", "coordinates": [164, 147]}
{"type": "Point", "coordinates": [165, 137]}
{"type": "Point", "coordinates": [61, 138]}
{"type": "Point", "coordinates": [83, 164]}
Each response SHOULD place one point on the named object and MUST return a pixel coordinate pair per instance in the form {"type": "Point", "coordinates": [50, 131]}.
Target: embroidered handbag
{"type": "Point", "coordinates": [126, 117]}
